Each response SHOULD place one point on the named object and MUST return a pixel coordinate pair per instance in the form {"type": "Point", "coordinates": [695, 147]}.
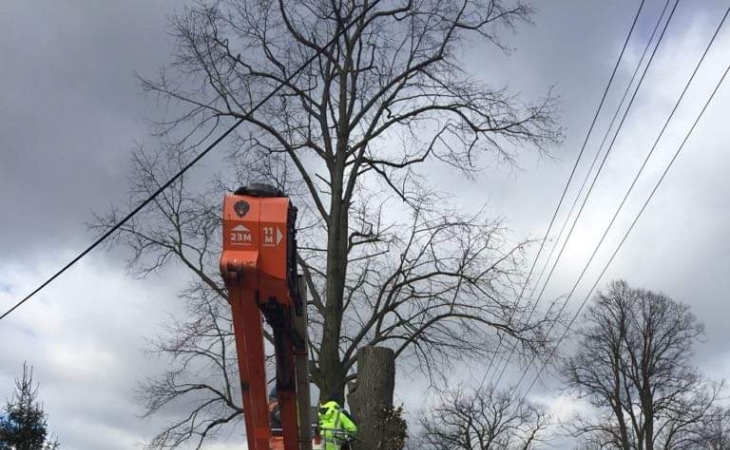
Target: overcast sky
{"type": "Point", "coordinates": [71, 111]}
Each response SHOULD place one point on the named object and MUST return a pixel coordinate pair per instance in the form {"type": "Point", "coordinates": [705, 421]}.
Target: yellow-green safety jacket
{"type": "Point", "coordinates": [333, 422]}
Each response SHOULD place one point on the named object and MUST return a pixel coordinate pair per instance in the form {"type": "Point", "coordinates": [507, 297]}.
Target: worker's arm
{"type": "Point", "coordinates": [347, 423]}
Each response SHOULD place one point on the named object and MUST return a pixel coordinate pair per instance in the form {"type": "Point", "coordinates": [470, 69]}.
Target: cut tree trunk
{"type": "Point", "coordinates": [371, 399]}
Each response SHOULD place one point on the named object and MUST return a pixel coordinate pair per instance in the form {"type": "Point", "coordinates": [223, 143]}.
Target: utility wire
{"type": "Point", "coordinates": [626, 235]}
{"type": "Point", "coordinates": [180, 173]}
{"type": "Point", "coordinates": [593, 183]}
{"type": "Point", "coordinates": [600, 149]}
{"type": "Point", "coordinates": [567, 184]}
{"type": "Point", "coordinates": [638, 174]}
{"type": "Point", "coordinates": [123, 221]}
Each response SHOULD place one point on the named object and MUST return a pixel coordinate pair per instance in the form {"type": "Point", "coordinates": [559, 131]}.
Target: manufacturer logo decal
{"type": "Point", "coordinates": [241, 208]}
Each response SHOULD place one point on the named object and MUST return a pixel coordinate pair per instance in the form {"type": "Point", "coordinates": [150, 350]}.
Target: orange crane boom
{"type": "Point", "coordinates": [258, 265]}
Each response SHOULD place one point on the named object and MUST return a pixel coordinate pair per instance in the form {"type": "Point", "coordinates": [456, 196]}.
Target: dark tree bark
{"type": "Point", "coordinates": [371, 401]}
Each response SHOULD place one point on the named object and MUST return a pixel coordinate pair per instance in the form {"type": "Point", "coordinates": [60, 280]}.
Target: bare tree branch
{"type": "Point", "coordinates": [351, 139]}
{"type": "Point", "coordinates": [633, 364]}
{"type": "Point", "coordinates": [483, 420]}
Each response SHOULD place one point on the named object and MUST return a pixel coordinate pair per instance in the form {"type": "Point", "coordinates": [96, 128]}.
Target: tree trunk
{"type": "Point", "coordinates": [331, 367]}
{"type": "Point", "coordinates": [371, 401]}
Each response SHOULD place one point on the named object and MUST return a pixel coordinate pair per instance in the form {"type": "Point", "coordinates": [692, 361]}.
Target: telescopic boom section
{"type": "Point", "coordinates": [258, 265]}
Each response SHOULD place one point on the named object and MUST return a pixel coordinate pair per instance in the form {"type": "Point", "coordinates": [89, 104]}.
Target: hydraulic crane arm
{"type": "Point", "coordinates": [258, 265]}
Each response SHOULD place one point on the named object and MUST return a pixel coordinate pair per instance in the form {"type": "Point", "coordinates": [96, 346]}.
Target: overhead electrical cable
{"type": "Point", "coordinates": [631, 227]}
{"type": "Point", "coordinates": [570, 178]}
{"type": "Point", "coordinates": [242, 118]}
{"type": "Point", "coordinates": [598, 153]}
{"type": "Point", "coordinates": [638, 175]}
{"type": "Point", "coordinates": [595, 179]}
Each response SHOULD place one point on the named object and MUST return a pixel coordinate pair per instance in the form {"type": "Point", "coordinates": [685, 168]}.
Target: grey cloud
{"type": "Point", "coordinates": [71, 111]}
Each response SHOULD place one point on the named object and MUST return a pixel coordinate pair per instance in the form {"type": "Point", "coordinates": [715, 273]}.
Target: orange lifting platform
{"type": "Point", "coordinates": [258, 265]}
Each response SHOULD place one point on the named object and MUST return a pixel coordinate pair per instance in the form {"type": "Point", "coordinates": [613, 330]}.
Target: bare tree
{"type": "Point", "coordinates": [485, 419]}
{"type": "Point", "coordinates": [713, 433]}
{"type": "Point", "coordinates": [352, 138]}
{"type": "Point", "coordinates": [633, 364]}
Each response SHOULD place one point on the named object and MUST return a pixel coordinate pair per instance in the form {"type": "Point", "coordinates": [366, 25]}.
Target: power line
{"type": "Point", "coordinates": [180, 173]}
{"type": "Point", "coordinates": [587, 177]}
{"type": "Point", "coordinates": [567, 184]}
{"type": "Point", "coordinates": [641, 169]}
{"type": "Point", "coordinates": [626, 235]}
{"type": "Point", "coordinates": [582, 188]}
{"type": "Point", "coordinates": [595, 179]}
{"type": "Point", "coordinates": [600, 148]}
{"type": "Point", "coordinates": [123, 221]}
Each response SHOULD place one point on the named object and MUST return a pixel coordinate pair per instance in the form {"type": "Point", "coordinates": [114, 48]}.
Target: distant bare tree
{"type": "Point", "coordinates": [633, 365]}
{"type": "Point", "coordinates": [713, 433]}
{"type": "Point", "coordinates": [353, 139]}
{"type": "Point", "coordinates": [485, 419]}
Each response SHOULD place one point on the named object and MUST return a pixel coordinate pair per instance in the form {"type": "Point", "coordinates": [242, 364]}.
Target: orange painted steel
{"type": "Point", "coordinates": [258, 266]}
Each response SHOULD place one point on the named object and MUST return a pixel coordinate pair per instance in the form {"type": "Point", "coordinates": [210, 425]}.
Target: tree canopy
{"type": "Point", "coordinates": [634, 365]}
{"type": "Point", "coordinates": [354, 137]}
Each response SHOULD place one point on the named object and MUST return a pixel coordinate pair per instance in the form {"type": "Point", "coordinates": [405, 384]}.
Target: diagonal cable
{"type": "Point", "coordinates": [593, 183]}
{"type": "Point", "coordinates": [638, 174]}
{"type": "Point", "coordinates": [600, 149]}
{"type": "Point", "coordinates": [182, 171]}
{"type": "Point", "coordinates": [567, 184]}
{"type": "Point", "coordinates": [631, 227]}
